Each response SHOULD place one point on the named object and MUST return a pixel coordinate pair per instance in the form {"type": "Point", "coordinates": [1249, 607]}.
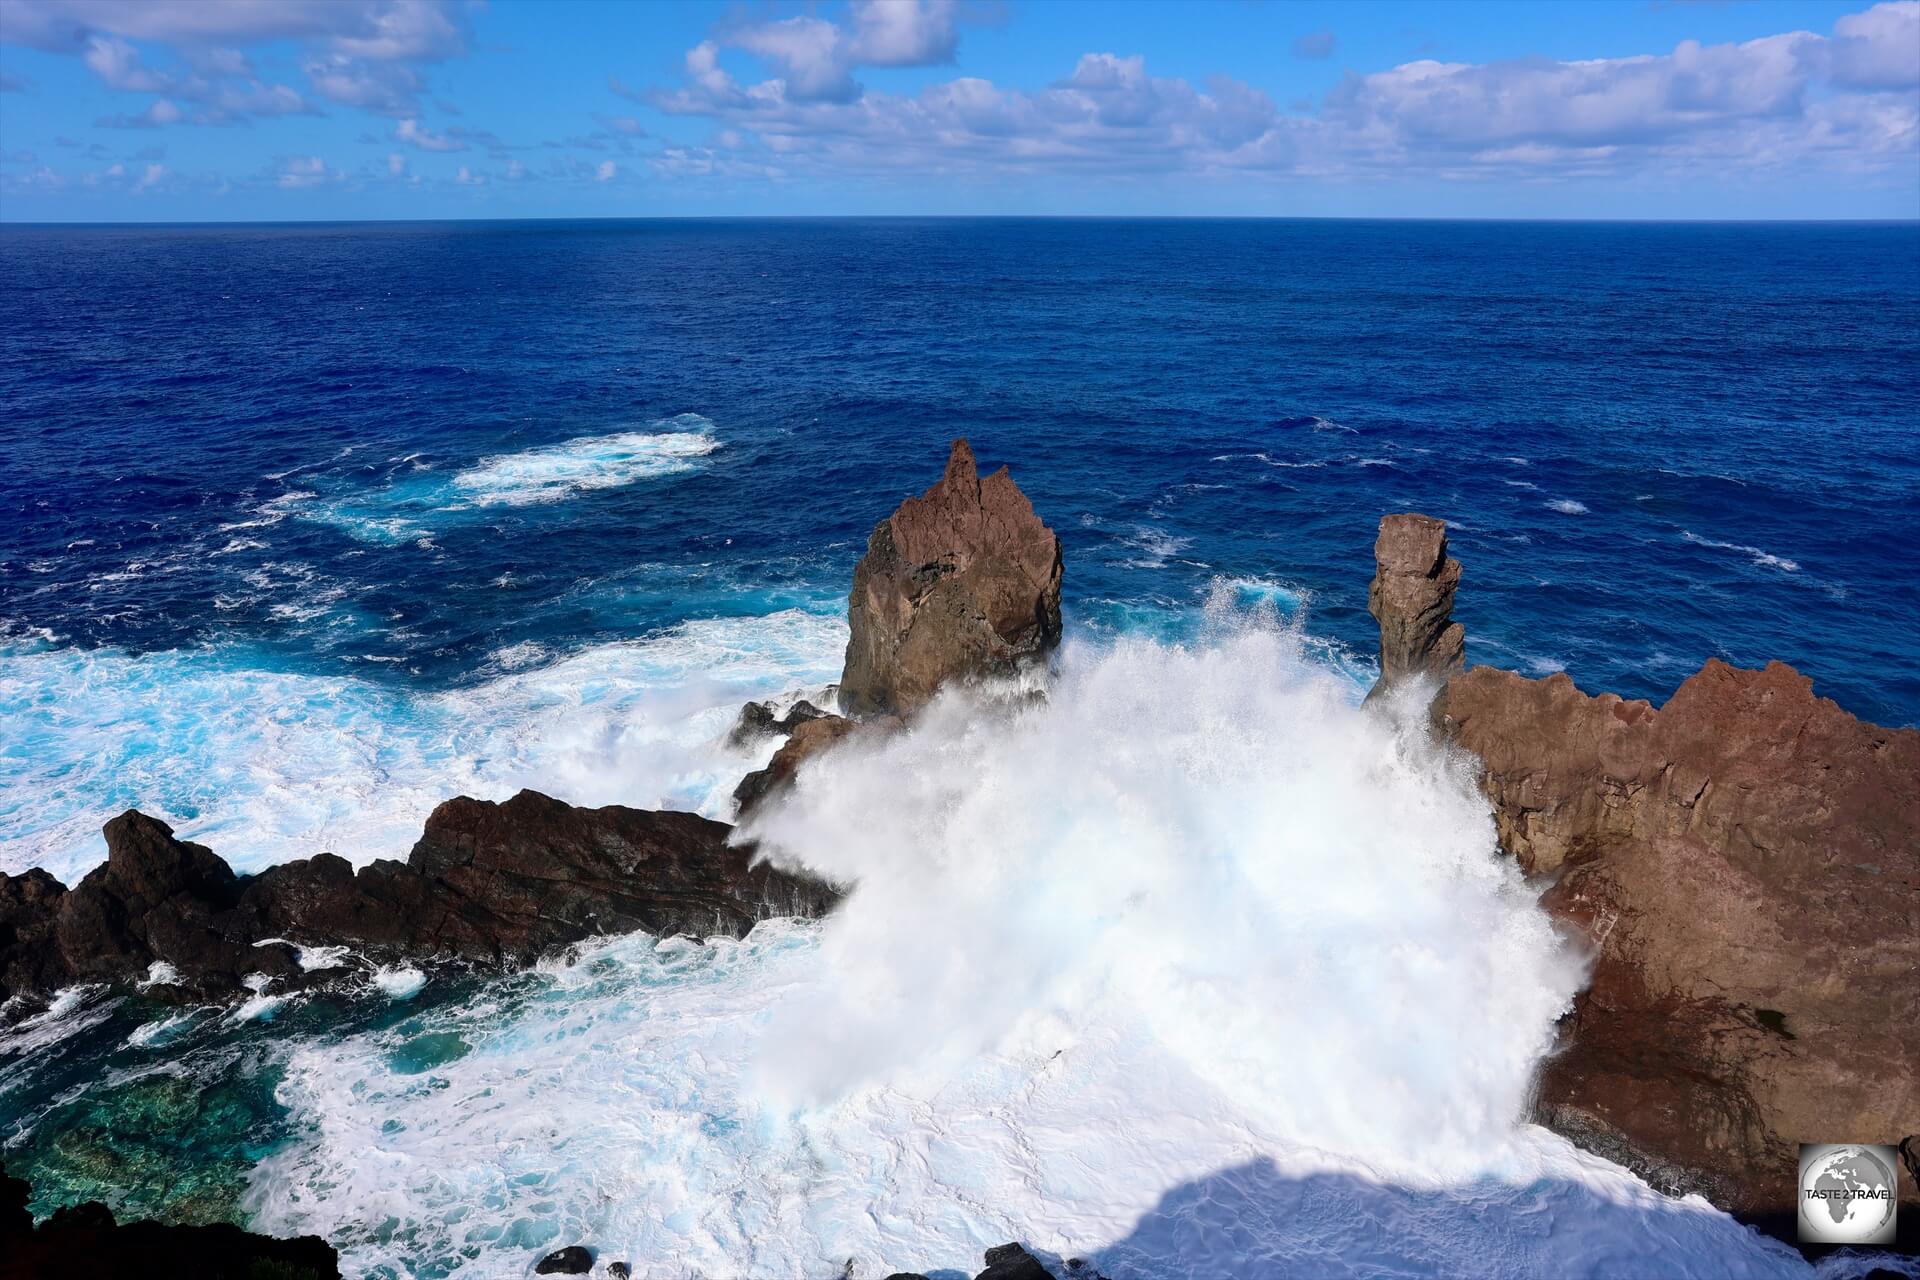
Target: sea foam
{"type": "Point", "coordinates": [1193, 969]}
{"type": "Point", "coordinates": [265, 765]}
{"type": "Point", "coordinates": [588, 462]}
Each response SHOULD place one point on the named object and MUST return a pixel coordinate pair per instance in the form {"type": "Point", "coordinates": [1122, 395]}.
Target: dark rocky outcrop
{"type": "Point", "coordinates": [85, 1240]}
{"type": "Point", "coordinates": [493, 883]}
{"type": "Point", "coordinates": [1745, 864]}
{"type": "Point", "coordinates": [1012, 1262]}
{"type": "Point", "coordinates": [570, 1261]}
{"type": "Point", "coordinates": [959, 583]}
{"type": "Point", "coordinates": [759, 720]}
{"type": "Point", "coordinates": [1411, 598]}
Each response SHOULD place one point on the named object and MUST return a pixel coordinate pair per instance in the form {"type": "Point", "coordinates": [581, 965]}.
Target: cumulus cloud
{"type": "Point", "coordinates": [1845, 100]}
{"type": "Point", "coordinates": [817, 58]}
{"type": "Point", "coordinates": [388, 89]}
{"type": "Point", "coordinates": [413, 29]}
{"type": "Point", "coordinates": [605, 172]}
{"type": "Point", "coordinates": [414, 135]}
{"type": "Point", "coordinates": [357, 52]}
{"type": "Point", "coordinates": [296, 172]}
{"type": "Point", "coordinates": [227, 93]}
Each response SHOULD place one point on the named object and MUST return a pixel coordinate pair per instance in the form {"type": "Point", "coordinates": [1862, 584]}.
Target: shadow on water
{"type": "Point", "coordinates": [1254, 1221]}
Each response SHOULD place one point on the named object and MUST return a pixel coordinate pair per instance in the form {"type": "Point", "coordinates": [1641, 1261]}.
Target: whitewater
{"type": "Point", "coordinates": [1190, 969]}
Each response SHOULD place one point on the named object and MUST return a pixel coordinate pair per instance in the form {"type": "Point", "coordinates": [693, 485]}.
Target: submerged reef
{"type": "Point", "coordinates": [86, 1240]}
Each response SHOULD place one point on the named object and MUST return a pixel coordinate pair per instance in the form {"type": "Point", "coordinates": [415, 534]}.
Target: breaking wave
{"type": "Point", "coordinates": [589, 462]}
{"type": "Point", "coordinates": [266, 765]}
{"type": "Point", "coordinates": [1193, 969]}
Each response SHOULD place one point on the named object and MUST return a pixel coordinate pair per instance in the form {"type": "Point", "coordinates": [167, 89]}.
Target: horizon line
{"type": "Point", "coordinates": [956, 217]}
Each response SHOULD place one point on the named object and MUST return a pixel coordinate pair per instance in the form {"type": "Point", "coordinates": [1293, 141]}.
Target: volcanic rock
{"type": "Point", "coordinates": [807, 739]}
{"type": "Point", "coordinates": [1411, 598]}
{"type": "Point", "coordinates": [757, 720]}
{"type": "Point", "coordinates": [959, 583]}
{"type": "Point", "coordinates": [1745, 862]}
{"type": "Point", "coordinates": [570, 1261]}
{"type": "Point", "coordinates": [495, 883]}
{"type": "Point", "coordinates": [85, 1240]}
{"type": "Point", "coordinates": [1012, 1262]}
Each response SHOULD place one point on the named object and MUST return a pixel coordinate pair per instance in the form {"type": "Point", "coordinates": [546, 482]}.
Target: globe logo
{"type": "Point", "coordinates": [1848, 1194]}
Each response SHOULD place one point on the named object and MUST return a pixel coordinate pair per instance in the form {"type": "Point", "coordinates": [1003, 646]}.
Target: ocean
{"type": "Point", "coordinates": [305, 528]}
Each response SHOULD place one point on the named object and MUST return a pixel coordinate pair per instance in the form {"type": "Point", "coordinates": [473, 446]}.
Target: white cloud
{"type": "Point", "coordinates": [381, 29]}
{"type": "Point", "coordinates": [388, 89]}
{"type": "Point", "coordinates": [903, 33]}
{"type": "Point", "coordinates": [468, 178]}
{"type": "Point", "coordinates": [605, 172]}
{"type": "Point", "coordinates": [356, 51]}
{"type": "Point", "coordinates": [1798, 98]}
{"type": "Point", "coordinates": [296, 172]}
{"type": "Point", "coordinates": [1878, 49]}
{"type": "Point", "coordinates": [396, 164]}
{"type": "Point", "coordinates": [411, 133]}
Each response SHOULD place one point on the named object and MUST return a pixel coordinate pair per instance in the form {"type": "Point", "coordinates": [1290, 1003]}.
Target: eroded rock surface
{"type": "Point", "coordinates": [805, 740]}
{"type": "Point", "coordinates": [1745, 860]}
{"type": "Point", "coordinates": [494, 883]}
{"type": "Point", "coordinates": [1411, 597]}
{"type": "Point", "coordinates": [961, 582]}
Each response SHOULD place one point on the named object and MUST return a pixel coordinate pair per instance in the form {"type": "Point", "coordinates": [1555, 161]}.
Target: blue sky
{"type": "Point", "coordinates": [165, 110]}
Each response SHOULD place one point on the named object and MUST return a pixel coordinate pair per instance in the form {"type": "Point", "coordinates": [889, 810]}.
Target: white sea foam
{"type": "Point", "coordinates": [163, 1031]}
{"type": "Point", "coordinates": [399, 982]}
{"type": "Point", "coordinates": [1156, 547]}
{"type": "Point", "coordinates": [310, 958]}
{"type": "Point", "coordinates": [1763, 559]}
{"type": "Point", "coordinates": [159, 973]}
{"type": "Point", "coordinates": [1193, 969]}
{"type": "Point", "coordinates": [71, 1011]}
{"type": "Point", "coordinates": [588, 462]}
{"type": "Point", "coordinates": [413, 505]}
{"type": "Point", "coordinates": [264, 766]}
{"type": "Point", "coordinates": [1567, 507]}
{"type": "Point", "coordinates": [260, 1006]}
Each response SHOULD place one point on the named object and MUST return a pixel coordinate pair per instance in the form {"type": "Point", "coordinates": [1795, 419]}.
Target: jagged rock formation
{"type": "Point", "coordinates": [961, 582]}
{"type": "Point", "coordinates": [805, 740]}
{"type": "Point", "coordinates": [760, 720]}
{"type": "Point", "coordinates": [84, 1240]}
{"type": "Point", "coordinates": [493, 883]}
{"type": "Point", "coordinates": [1411, 598]}
{"type": "Point", "coordinates": [1744, 862]}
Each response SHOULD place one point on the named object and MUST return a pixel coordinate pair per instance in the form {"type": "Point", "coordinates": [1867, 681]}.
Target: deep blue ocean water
{"type": "Point", "coordinates": [304, 528]}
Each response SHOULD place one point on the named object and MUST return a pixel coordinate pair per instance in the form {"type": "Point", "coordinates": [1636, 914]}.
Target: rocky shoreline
{"type": "Point", "coordinates": [492, 884]}
{"type": "Point", "coordinates": [1743, 862]}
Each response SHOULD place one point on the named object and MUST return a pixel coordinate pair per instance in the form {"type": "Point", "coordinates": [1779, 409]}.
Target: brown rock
{"type": "Point", "coordinates": [961, 582]}
{"type": "Point", "coordinates": [1745, 861]}
{"type": "Point", "coordinates": [1412, 599]}
{"type": "Point", "coordinates": [807, 739]}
